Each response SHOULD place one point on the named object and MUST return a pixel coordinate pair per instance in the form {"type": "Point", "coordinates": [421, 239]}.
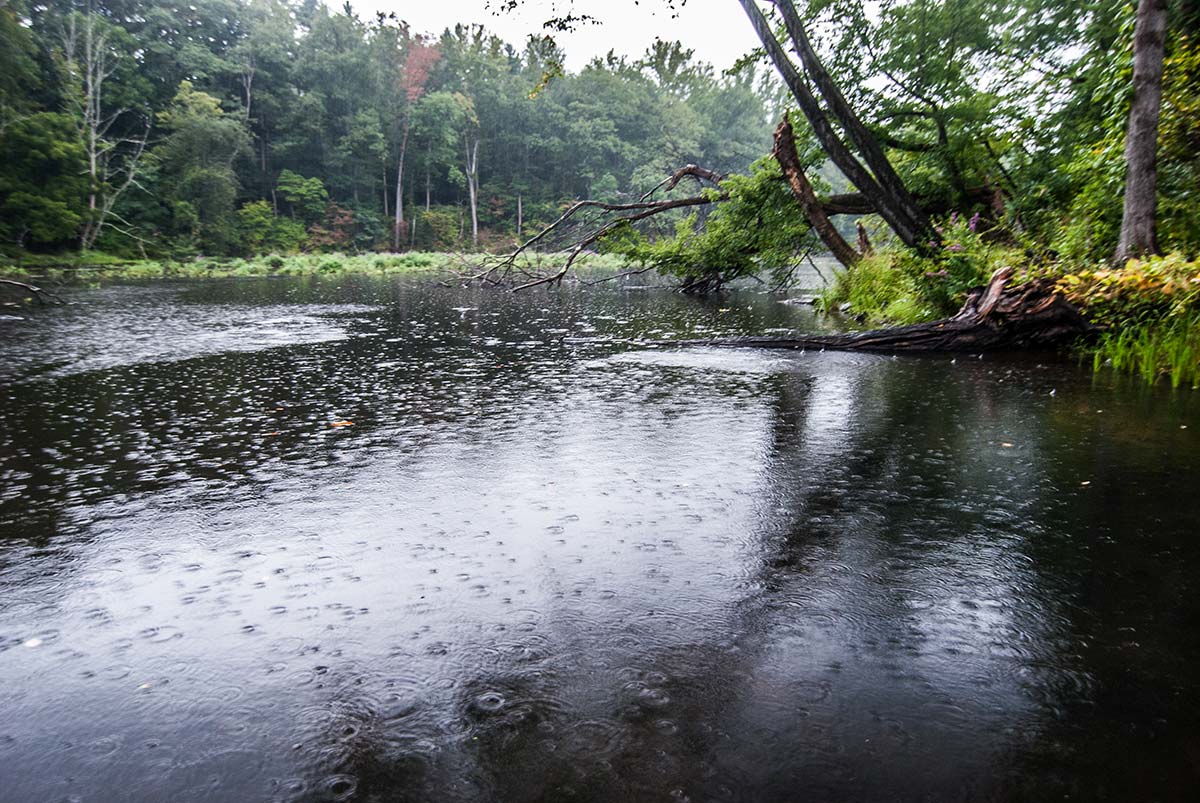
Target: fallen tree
{"type": "Point", "coordinates": [585, 223]}
{"type": "Point", "coordinates": [997, 316]}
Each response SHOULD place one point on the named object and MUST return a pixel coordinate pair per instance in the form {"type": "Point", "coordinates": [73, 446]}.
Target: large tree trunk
{"type": "Point", "coordinates": [1138, 236]}
{"type": "Point", "coordinates": [898, 195]}
{"type": "Point", "coordinates": [882, 201]}
{"type": "Point", "coordinates": [793, 173]}
{"type": "Point", "coordinates": [994, 317]}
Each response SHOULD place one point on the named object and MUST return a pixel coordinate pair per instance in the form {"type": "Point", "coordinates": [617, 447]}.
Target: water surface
{"type": "Point", "coordinates": [348, 539]}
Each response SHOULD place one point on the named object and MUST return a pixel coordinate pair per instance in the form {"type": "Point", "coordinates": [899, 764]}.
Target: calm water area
{"type": "Point", "coordinates": [347, 538]}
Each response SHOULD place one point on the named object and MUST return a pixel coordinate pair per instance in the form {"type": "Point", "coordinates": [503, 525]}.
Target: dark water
{"type": "Point", "coordinates": [534, 570]}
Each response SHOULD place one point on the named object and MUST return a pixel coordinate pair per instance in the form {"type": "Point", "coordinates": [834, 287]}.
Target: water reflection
{"type": "Point", "coordinates": [536, 569]}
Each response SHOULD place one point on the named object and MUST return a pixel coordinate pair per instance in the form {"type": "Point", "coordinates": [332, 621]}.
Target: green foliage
{"type": "Point", "coordinates": [307, 197]}
{"type": "Point", "coordinates": [43, 184]}
{"type": "Point", "coordinates": [900, 286]}
{"type": "Point", "coordinates": [1179, 143]}
{"type": "Point", "coordinates": [878, 289]}
{"type": "Point", "coordinates": [1154, 349]}
{"type": "Point", "coordinates": [759, 226]}
{"type": "Point", "coordinates": [197, 159]}
{"type": "Point", "coordinates": [439, 227]}
{"type": "Point", "coordinates": [261, 231]}
{"type": "Point", "coordinates": [1139, 292]}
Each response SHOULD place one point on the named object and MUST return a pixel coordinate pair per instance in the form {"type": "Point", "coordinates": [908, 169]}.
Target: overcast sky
{"type": "Point", "coordinates": [716, 29]}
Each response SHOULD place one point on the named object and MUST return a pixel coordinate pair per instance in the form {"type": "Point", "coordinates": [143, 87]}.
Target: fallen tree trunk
{"type": "Point", "coordinates": [994, 317]}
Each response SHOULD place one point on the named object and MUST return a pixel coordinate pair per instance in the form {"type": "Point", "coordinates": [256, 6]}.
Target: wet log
{"type": "Point", "coordinates": [994, 317]}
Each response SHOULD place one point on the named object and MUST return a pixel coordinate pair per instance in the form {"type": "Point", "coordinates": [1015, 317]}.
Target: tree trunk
{"type": "Point", "coordinates": [473, 188]}
{"type": "Point", "coordinates": [399, 223]}
{"type": "Point", "coordinates": [1138, 236]}
{"type": "Point", "coordinates": [793, 172]}
{"type": "Point", "coordinates": [880, 200]}
{"type": "Point", "coordinates": [864, 242]}
{"type": "Point", "coordinates": [899, 198]}
{"type": "Point", "coordinates": [994, 317]}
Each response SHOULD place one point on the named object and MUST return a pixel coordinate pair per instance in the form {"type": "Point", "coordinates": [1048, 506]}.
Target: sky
{"type": "Point", "coordinates": [716, 29]}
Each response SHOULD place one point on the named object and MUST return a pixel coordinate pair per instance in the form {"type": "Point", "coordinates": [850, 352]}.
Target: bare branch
{"type": "Point", "coordinates": [37, 292]}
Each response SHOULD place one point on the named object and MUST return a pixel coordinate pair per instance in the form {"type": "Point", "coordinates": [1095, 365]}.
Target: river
{"type": "Point", "coordinates": [364, 539]}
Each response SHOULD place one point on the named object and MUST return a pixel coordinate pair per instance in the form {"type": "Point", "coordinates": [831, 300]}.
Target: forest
{"type": "Point", "coordinates": [237, 127]}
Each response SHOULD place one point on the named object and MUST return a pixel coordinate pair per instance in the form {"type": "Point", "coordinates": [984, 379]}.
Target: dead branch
{"type": "Point", "coordinates": [41, 294]}
{"type": "Point", "coordinates": [793, 173]}
{"type": "Point", "coordinates": [502, 269]}
{"type": "Point", "coordinates": [701, 175]}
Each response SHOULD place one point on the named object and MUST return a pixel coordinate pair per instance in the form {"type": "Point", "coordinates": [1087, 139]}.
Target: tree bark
{"type": "Point", "coordinates": [1138, 235]}
{"type": "Point", "coordinates": [881, 201]}
{"type": "Point", "coordinates": [899, 198]}
{"type": "Point", "coordinates": [399, 222]}
{"type": "Point", "coordinates": [994, 317]}
{"type": "Point", "coordinates": [864, 242]}
{"type": "Point", "coordinates": [793, 173]}
{"type": "Point", "coordinates": [472, 171]}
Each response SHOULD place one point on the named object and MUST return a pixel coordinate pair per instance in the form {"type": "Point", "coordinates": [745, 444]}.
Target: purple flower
{"type": "Point", "coordinates": [954, 247]}
{"type": "Point", "coordinates": [974, 221]}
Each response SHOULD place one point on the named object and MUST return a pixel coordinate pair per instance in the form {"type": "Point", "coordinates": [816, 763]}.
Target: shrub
{"type": "Point", "coordinates": [1141, 291]}
{"type": "Point", "coordinates": [902, 286]}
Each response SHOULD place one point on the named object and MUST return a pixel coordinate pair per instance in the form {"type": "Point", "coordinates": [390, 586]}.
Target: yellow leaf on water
{"type": "Point", "coordinates": [341, 423]}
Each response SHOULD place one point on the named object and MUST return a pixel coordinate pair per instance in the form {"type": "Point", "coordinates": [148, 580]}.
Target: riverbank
{"type": "Point", "coordinates": [1148, 311]}
{"type": "Point", "coordinates": [103, 267]}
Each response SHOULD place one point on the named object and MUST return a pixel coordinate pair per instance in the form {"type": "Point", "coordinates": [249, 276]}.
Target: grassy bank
{"type": "Point", "coordinates": [98, 266]}
{"type": "Point", "coordinates": [1149, 310]}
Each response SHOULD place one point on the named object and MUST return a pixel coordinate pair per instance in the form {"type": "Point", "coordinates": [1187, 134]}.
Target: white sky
{"type": "Point", "coordinates": [716, 29]}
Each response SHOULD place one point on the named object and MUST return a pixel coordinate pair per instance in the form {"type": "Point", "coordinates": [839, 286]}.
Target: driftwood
{"type": "Point", "coordinates": [40, 293]}
{"type": "Point", "coordinates": [994, 317]}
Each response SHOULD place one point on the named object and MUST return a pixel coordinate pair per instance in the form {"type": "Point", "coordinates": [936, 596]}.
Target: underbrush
{"type": "Point", "coordinates": [1150, 312]}
{"type": "Point", "coordinates": [899, 286]}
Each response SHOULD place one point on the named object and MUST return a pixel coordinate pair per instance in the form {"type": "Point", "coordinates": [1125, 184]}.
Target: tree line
{"type": "Point", "coordinates": [1067, 128]}
{"type": "Point", "coordinates": [252, 126]}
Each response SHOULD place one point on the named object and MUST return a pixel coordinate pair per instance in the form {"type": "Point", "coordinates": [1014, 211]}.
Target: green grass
{"type": "Point", "coordinates": [1164, 348]}
{"type": "Point", "coordinates": [96, 266]}
{"type": "Point", "coordinates": [876, 290]}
